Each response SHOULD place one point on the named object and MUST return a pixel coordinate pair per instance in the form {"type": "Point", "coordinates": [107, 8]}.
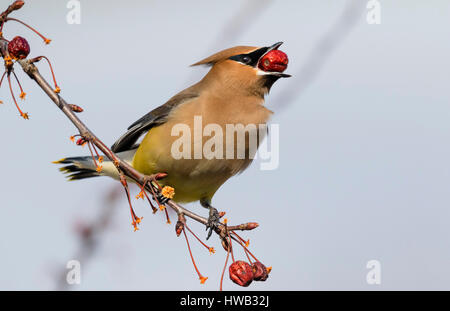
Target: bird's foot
{"type": "Point", "coordinates": [161, 198]}
{"type": "Point", "coordinates": [213, 221]}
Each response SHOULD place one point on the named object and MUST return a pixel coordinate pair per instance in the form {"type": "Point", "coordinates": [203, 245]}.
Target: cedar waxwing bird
{"type": "Point", "coordinates": [232, 92]}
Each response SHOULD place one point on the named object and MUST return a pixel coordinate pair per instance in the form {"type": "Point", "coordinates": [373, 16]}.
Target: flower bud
{"type": "Point", "coordinates": [81, 141]}
{"type": "Point", "coordinates": [75, 108]}
{"type": "Point", "coordinates": [241, 273]}
{"type": "Point", "coordinates": [179, 227]}
{"type": "Point", "coordinates": [17, 4]}
{"type": "Point", "coordinates": [19, 48]}
{"type": "Point", "coordinates": [259, 271]}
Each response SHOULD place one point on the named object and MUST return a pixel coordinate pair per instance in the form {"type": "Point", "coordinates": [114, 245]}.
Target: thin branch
{"type": "Point", "coordinates": [123, 167]}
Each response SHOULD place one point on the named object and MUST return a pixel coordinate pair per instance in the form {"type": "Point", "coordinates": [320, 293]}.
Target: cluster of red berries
{"type": "Point", "coordinates": [243, 274]}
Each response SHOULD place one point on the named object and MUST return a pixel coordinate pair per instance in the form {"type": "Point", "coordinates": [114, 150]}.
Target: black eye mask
{"type": "Point", "coordinates": [250, 59]}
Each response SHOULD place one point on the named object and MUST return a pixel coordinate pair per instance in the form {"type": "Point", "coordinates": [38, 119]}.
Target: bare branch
{"type": "Point", "coordinates": [123, 167]}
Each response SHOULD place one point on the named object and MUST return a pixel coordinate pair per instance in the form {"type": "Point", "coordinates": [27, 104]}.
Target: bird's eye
{"type": "Point", "coordinates": [246, 59]}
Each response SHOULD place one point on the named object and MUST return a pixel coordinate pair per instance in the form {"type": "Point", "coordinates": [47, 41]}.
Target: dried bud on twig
{"type": "Point", "coordinates": [17, 5]}
{"type": "Point", "coordinates": [160, 176]}
{"type": "Point", "coordinates": [241, 273]}
{"type": "Point", "coordinates": [251, 225]}
{"type": "Point", "coordinates": [76, 108]}
{"type": "Point", "coordinates": [179, 227]}
{"type": "Point", "coordinates": [81, 141]}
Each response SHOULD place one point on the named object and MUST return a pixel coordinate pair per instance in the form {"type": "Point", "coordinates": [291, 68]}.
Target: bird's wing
{"type": "Point", "coordinates": [154, 118]}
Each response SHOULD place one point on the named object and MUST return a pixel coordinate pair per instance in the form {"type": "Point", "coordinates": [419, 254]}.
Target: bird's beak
{"type": "Point", "coordinates": [274, 47]}
{"type": "Point", "coordinates": [263, 51]}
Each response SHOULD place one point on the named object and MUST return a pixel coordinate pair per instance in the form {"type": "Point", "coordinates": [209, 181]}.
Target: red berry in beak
{"type": "Point", "coordinates": [241, 273]}
{"type": "Point", "coordinates": [18, 48]}
{"type": "Point", "coordinates": [259, 272]}
{"type": "Point", "coordinates": [274, 60]}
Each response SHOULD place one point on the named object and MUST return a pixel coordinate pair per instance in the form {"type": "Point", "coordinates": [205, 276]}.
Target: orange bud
{"type": "Point", "coordinates": [160, 176]}
{"type": "Point", "coordinates": [17, 5]}
{"type": "Point", "coordinates": [81, 141]}
{"type": "Point", "coordinates": [179, 227]}
{"type": "Point", "coordinates": [76, 108]}
{"type": "Point", "coordinates": [251, 225]}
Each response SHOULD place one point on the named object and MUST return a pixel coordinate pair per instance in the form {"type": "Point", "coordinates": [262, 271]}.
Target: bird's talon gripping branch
{"type": "Point", "coordinates": [213, 221]}
{"type": "Point", "coordinates": [152, 182]}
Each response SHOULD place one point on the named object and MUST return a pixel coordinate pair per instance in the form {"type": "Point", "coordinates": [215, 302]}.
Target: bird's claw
{"type": "Point", "coordinates": [213, 221]}
{"type": "Point", "coordinates": [162, 199]}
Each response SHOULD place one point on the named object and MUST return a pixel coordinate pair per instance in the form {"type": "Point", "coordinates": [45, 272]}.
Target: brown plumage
{"type": "Point", "coordinates": [232, 92]}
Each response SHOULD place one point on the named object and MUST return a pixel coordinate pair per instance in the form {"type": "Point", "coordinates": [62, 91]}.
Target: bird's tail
{"type": "Point", "coordinates": [84, 167]}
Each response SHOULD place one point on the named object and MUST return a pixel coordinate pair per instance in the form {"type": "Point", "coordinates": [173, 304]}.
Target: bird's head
{"type": "Point", "coordinates": [248, 69]}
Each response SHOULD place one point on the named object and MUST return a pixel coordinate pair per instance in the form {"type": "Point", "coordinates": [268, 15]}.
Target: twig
{"type": "Point", "coordinates": [123, 167]}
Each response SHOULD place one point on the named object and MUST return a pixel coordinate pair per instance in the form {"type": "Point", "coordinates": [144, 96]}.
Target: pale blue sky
{"type": "Point", "coordinates": [364, 156]}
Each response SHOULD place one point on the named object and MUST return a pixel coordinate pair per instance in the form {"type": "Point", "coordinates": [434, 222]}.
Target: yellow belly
{"type": "Point", "coordinates": [193, 179]}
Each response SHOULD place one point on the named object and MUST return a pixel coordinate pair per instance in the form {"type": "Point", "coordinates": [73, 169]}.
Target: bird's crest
{"type": "Point", "coordinates": [225, 54]}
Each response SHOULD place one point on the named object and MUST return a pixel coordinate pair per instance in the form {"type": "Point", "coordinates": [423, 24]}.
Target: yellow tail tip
{"type": "Point", "coordinates": [59, 161]}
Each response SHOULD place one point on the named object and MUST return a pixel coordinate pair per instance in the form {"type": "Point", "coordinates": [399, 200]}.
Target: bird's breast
{"type": "Point", "coordinates": [203, 143]}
